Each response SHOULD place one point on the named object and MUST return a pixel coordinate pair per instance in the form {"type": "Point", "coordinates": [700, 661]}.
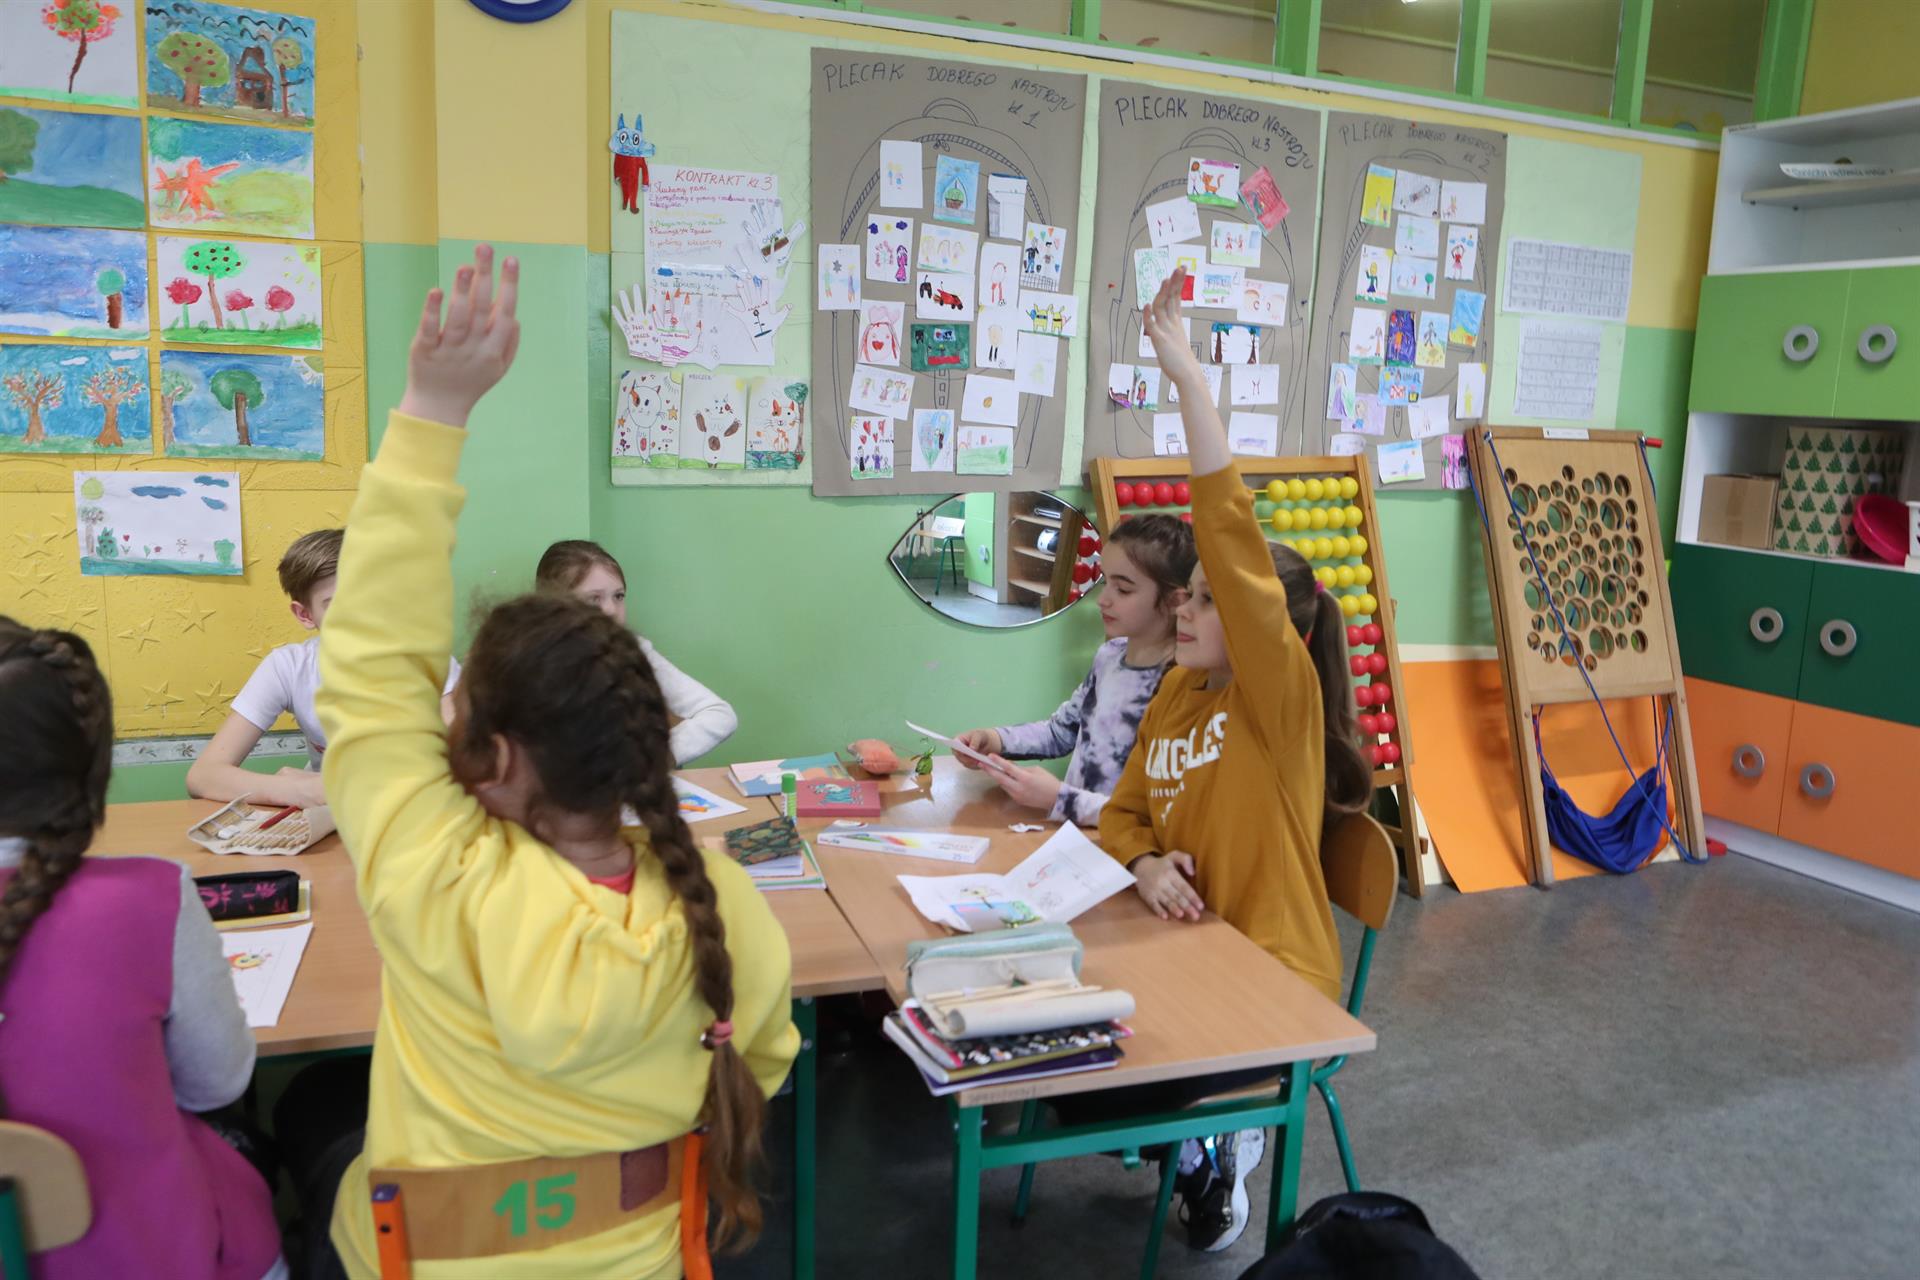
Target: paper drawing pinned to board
{"type": "Point", "coordinates": [889, 257]}
{"type": "Point", "coordinates": [225, 60]}
{"type": "Point", "coordinates": [1430, 342]}
{"type": "Point", "coordinates": [1415, 277]}
{"type": "Point", "coordinates": [1187, 258]}
{"type": "Point", "coordinates": [1171, 222]}
{"type": "Point", "coordinates": [1470, 393]}
{"type": "Point", "coordinates": [1400, 461]}
{"type": "Point", "coordinates": [1262, 198]}
{"type": "Point", "coordinates": [944, 295]}
{"type": "Point", "coordinates": [1417, 236]}
{"type": "Point", "coordinates": [630, 151]}
{"type": "Point", "coordinates": [73, 399]}
{"type": "Point", "coordinates": [1468, 308]}
{"type": "Point", "coordinates": [1255, 384]}
{"type": "Point", "coordinates": [67, 52]}
{"type": "Point", "coordinates": [882, 329]}
{"type": "Point", "coordinates": [64, 283]}
{"type": "Point", "coordinates": [158, 522]}
{"type": "Point", "coordinates": [646, 420]}
{"type": "Point", "coordinates": [995, 337]}
{"type": "Point", "coordinates": [956, 189]}
{"type": "Point", "coordinates": [670, 326]}
{"type": "Point", "coordinates": [713, 422]}
{"type": "Point", "coordinates": [993, 401]}
{"type": "Point", "coordinates": [1427, 417]}
{"type": "Point", "coordinates": [1367, 339]}
{"type": "Point", "coordinates": [1234, 244]}
{"type": "Point", "coordinates": [235, 405]}
{"type": "Point", "coordinates": [1253, 434]}
{"type": "Point", "coordinates": [1416, 193]}
{"type": "Point", "coordinates": [1376, 199]}
{"type": "Point", "coordinates": [238, 293]}
{"type": "Point", "coordinates": [1346, 445]}
{"type": "Point", "coordinates": [1342, 393]}
{"type": "Point", "coordinates": [1263, 302]}
{"type": "Point", "coordinates": [1369, 417]}
{"type": "Point", "coordinates": [1453, 462]}
{"type": "Point", "coordinates": [940, 348]}
{"type": "Point", "coordinates": [1151, 267]}
{"type": "Point", "coordinates": [1006, 205]}
{"type": "Point", "coordinates": [1463, 201]}
{"type": "Point", "coordinates": [1400, 346]}
{"type": "Point", "coordinates": [999, 275]}
{"type": "Point", "coordinates": [1233, 343]}
{"type": "Point", "coordinates": [776, 424]}
{"type": "Point", "coordinates": [1215, 182]}
{"type": "Point", "coordinates": [870, 449]}
{"type": "Point", "coordinates": [1169, 436]}
{"type": "Point", "coordinates": [1463, 251]}
{"type": "Point", "coordinates": [837, 284]}
{"type": "Point", "coordinates": [1220, 288]}
{"type": "Point", "coordinates": [946, 248]}
{"type": "Point", "coordinates": [1402, 385]}
{"type": "Point", "coordinates": [885, 393]}
{"type": "Point", "coordinates": [1133, 385]}
{"type": "Point", "coordinates": [984, 451]}
{"type": "Point", "coordinates": [1036, 364]}
{"type": "Point", "coordinates": [902, 180]}
{"type": "Point", "coordinates": [1043, 257]}
{"type": "Point", "coordinates": [933, 437]}
{"type": "Point", "coordinates": [1214, 375]}
{"type": "Point", "coordinates": [63, 168]}
{"type": "Point", "coordinates": [1055, 314]}
{"type": "Point", "coordinates": [227, 177]}
{"type": "Point", "coordinates": [1375, 272]}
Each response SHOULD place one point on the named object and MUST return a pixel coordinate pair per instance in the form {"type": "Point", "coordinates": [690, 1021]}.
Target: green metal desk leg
{"type": "Point", "coordinates": [13, 1238]}
{"type": "Point", "coordinates": [806, 1017]}
{"type": "Point", "coordinates": [967, 1122]}
{"type": "Point", "coordinates": [1283, 1195]}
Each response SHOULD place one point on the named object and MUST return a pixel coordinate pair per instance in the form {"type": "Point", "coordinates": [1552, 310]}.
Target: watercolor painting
{"type": "Point", "coordinates": [1235, 343]}
{"type": "Point", "coordinates": [238, 293]}
{"type": "Point", "coordinates": [1463, 329]}
{"type": "Point", "coordinates": [984, 451]}
{"type": "Point", "coordinates": [1432, 346]}
{"type": "Point", "coordinates": [889, 255]}
{"type": "Point", "coordinates": [871, 455]}
{"type": "Point", "coordinates": [61, 283]}
{"type": "Point", "coordinates": [646, 420]}
{"type": "Point", "coordinates": [956, 189]}
{"type": "Point", "coordinates": [1400, 342]}
{"type": "Point", "coordinates": [776, 424]}
{"type": "Point", "coordinates": [1376, 199]}
{"type": "Point", "coordinates": [940, 348]}
{"type": "Point", "coordinates": [214, 405]}
{"type": "Point", "coordinates": [224, 60]}
{"type": "Point", "coordinates": [73, 399]}
{"type": "Point", "coordinates": [158, 522]}
{"type": "Point", "coordinates": [61, 168]}
{"type": "Point", "coordinates": [224, 177]}
{"type": "Point", "coordinates": [1213, 182]}
{"type": "Point", "coordinates": [932, 440]}
{"type": "Point", "coordinates": [69, 51]}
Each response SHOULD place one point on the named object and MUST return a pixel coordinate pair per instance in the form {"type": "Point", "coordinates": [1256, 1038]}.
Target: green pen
{"type": "Point", "coordinates": [789, 789]}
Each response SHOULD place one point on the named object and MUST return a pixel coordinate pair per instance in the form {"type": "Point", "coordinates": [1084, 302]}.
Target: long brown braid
{"type": "Point", "coordinates": [1316, 615]}
{"type": "Point", "coordinates": [56, 755]}
{"type": "Point", "coordinates": [573, 689]}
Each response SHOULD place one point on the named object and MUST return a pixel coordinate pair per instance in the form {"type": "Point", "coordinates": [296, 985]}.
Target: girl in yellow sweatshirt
{"type": "Point", "coordinates": [1247, 749]}
{"type": "Point", "coordinates": [563, 1000]}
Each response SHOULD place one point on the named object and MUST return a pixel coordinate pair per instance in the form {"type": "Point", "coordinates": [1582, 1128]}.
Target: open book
{"type": "Point", "coordinates": [1063, 877]}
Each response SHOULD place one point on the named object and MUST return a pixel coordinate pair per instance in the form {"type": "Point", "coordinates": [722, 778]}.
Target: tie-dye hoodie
{"type": "Point", "coordinates": [1097, 725]}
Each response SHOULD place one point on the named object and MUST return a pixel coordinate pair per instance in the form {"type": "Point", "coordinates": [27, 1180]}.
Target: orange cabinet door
{"type": "Point", "coordinates": [1850, 788]}
{"type": "Point", "coordinates": [1740, 743]}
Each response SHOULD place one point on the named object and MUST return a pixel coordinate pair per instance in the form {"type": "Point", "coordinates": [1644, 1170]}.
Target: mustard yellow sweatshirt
{"type": "Point", "coordinates": [1236, 777]}
{"type": "Point", "coordinates": [524, 1012]}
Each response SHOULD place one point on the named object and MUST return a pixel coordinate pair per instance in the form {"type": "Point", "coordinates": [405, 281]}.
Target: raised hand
{"type": "Point", "coordinates": [1164, 328]}
{"type": "Point", "coordinates": [455, 361]}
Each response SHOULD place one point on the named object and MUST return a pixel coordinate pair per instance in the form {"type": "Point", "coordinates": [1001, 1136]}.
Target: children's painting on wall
{"type": "Point", "coordinates": [158, 522]}
{"type": "Point", "coordinates": [224, 177]}
{"type": "Point", "coordinates": [74, 399]}
{"type": "Point", "coordinates": [646, 421]}
{"type": "Point", "coordinates": [871, 455]}
{"type": "Point", "coordinates": [238, 293]}
{"type": "Point", "coordinates": [61, 283]}
{"type": "Point", "coordinates": [984, 451]}
{"type": "Point", "coordinates": [61, 168]}
{"type": "Point", "coordinates": [69, 51]}
{"type": "Point", "coordinates": [215, 405]}
{"type": "Point", "coordinates": [224, 60]}
{"type": "Point", "coordinates": [713, 422]}
{"type": "Point", "coordinates": [776, 424]}
{"type": "Point", "coordinates": [932, 440]}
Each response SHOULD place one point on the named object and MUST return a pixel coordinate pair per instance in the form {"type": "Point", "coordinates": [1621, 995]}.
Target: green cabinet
{"type": "Point", "coordinates": [1858, 647]}
{"type": "Point", "coordinates": [1740, 363]}
{"type": "Point", "coordinates": [1885, 298]}
{"type": "Point", "coordinates": [1741, 616]}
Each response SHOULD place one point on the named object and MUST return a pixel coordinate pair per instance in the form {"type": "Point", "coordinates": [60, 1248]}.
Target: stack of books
{"type": "Point", "coordinates": [775, 856]}
{"type": "Point", "coordinates": [952, 1065]}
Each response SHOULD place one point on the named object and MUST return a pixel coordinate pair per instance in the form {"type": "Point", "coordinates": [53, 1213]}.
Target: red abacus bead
{"type": "Point", "coordinates": [1390, 752]}
{"type": "Point", "coordinates": [1083, 573]}
{"type": "Point", "coordinates": [1353, 634]}
{"type": "Point", "coordinates": [1358, 664]}
{"type": "Point", "coordinates": [1181, 493]}
{"type": "Point", "coordinates": [1187, 516]}
{"type": "Point", "coordinates": [1386, 722]}
{"type": "Point", "coordinates": [1075, 594]}
{"type": "Point", "coordinates": [1163, 494]}
{"type": "Point", "coordinates": [1377, 663]}
{"type": "Point", "coordinates": [1122, 494]}
{"type": "Point", "coordinates": [1378, 754]}
{"type": "Point", "coordinates": [1364, 695]}
{"type": "Point", "coordinates": [1368, 722]}
{"type": "Point", "coordinates": [1382, 694]}
{"type": "Point", "coordinates": [1371, 633]}
{"type": "Point", "coordinates": [1087, 545]}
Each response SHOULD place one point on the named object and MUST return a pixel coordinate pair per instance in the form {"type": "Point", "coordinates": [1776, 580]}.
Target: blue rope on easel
{"type": "Point", "coordinates": [1613, 842]}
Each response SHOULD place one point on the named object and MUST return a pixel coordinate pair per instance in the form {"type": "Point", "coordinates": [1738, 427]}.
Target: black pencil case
{"type": "Point", "coordinates": [247, 894]}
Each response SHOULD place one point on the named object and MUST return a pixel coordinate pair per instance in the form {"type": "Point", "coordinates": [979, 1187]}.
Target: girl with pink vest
{"type": "Point", "coordinates": [117, 1018]}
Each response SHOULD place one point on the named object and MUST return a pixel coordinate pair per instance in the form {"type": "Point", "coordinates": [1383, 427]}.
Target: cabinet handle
{"type": "Point", "coordinates": [1817, 781]}
{"type": "Point", "coordinates": [1886, 339]}
{"type": "Point", "coordinates": [1801, 343]}
{"type": "Point", "coordinates": [1749, 761]}
{"type": "Point", "coordinates": [1766, 624]}
{"type": "Point", "coordinates": [1839, 638]}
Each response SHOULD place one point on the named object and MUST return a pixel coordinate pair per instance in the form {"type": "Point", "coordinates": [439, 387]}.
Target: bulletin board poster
{"type": "Point", "coordinates": [1401, 336]}
{"type": "Point", "coordinates": [944, 205]}
{"type": "Point", "coordinates": [1230, 188]}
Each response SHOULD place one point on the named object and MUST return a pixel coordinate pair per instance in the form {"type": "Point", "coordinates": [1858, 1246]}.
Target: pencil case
{"type": "Point", "coordinates": [245, 895]}
{"type": "Point", "coordinates": [941, 969]}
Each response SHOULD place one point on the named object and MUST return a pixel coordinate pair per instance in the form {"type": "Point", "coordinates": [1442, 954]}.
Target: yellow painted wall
{"type": "Point", "coordinates": [178, 648]}
{"type": "Point", "coordinates": [1861, 52]}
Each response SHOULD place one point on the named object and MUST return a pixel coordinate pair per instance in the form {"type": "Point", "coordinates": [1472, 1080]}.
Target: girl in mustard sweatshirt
{"type": "Point", "coordinates": [1249, 747]}
{"type": "Point", "coordinates": [563, 1000]}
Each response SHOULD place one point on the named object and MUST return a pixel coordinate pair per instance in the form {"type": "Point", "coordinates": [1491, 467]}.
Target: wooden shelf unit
{"type": "Point", "coordinates": [1027, 522]}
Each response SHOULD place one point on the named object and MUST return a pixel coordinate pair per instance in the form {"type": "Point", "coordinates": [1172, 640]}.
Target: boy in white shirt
{"type": "Point", "coordinates": [284, 681]}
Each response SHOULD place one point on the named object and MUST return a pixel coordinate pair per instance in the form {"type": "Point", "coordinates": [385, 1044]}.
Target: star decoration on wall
{"type": "Point", "coordinates": [193, 619]}
{"type": "Point", "coordinates": [214, 698]}
{"type": "Point", "coordinates": [73, 616]}
{"type": "Point", "coordinates": [33, 580]}
{"type": "Point", "coordinates": [141, 635]}
{"type": "Point", "coordinates": [160, 698]}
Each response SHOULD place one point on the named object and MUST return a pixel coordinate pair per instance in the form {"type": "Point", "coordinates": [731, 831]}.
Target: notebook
{"type": "Point", "coordinates": [835, 798]}
{"type": "Point", "coordinates": [762, 777]}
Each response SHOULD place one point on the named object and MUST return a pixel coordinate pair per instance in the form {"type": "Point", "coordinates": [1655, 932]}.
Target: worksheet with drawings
{"type": "Point", "coordinates": [1166, 158]}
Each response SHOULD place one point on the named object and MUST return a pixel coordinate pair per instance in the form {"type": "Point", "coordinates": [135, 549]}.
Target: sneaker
{"type": "Point", "coordinates": [1217, 1216]}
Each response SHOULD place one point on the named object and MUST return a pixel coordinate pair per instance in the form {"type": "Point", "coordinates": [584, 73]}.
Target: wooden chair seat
{"type": "Point", "coordinates": [50, 1185]}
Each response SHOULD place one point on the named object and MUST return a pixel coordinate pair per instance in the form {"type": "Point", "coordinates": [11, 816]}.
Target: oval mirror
{"type": "Point", "coordinates": [998, 559]}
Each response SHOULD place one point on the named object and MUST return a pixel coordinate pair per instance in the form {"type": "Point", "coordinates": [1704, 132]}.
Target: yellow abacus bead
{"type": "Point", "coordinates": [1317, 518]}
{"type": "Point", "coordinates": [1348, 486]}
{"type": "Point", "coordinates": [1359, 542]}
{"type": "Point", "coordinates": [1342, 547]}
{"type": "Point", "coordinates": [1355, 517]}
{"type": "Point", "coordinates": [1282, 519]}
{"type": "Point", "coordinates": [1315, 489]}
{"type": "Point", "coordinates": [1322, 548]}
{"type": "Point", "coordinates": [1276, 490]}
{"type": "Point", "coordinates": [1368, 603]}
{"type": "Point", "coordinates": [1363, 575]}
{"type": "Point", "coordinates": [1349, 606]}
{"type": "Point", "coordinates": [1328, 577]}
{"type": "Point", "coordinates": [1343, 576]}
{"type": "Point", "coordinates": [1296, 490]}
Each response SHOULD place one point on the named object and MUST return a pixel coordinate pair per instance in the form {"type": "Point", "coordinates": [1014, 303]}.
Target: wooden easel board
{"type": "Point", "coordinates": [1104, 474]}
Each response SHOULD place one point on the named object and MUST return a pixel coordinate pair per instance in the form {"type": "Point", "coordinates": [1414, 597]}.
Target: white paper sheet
{"type": "Point", "coordinates": [1169, 436]}
{"type": "Point", "coordinates": [837, 280]}
{"type": "Point", "coordinates": [697, 804]}
{"type": "Point", "coordinates": [1401, 461]}
{"type": "Point", "coordinates": [1559, 370]}
{"type": "Point", "coordinates": [1061, 879]}
{"type": "Point", "coordinates": [902, 181]}
{"type": "Point", "coordinates": [1427, 418]}
{"type": "Point", "coordinates": [1174, 221]}
{"type": "Point", "coordinates": [1253, 435]}
{"type": "Point", "coordinates": [995, 332]}
{"type": "Point", "coordinates": [1255, 384]}
{"type": "Point", "coordinates": [1006, 205]}
{"type": "Point", "coordinates": [992, 401]}
{"type": "Point", "coordinates": [1470, 393]}
{"type": "Point", "coordinates": [1549, 279]}
{"type": "Point", "coordinates": [999, 275]}
{"type": "Point", "coordinates": [1036, 364]}
{"type": "Point", "coordinates": [263, 963]}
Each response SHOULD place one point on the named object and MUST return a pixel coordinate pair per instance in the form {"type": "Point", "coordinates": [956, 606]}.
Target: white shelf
{"type": "Point", "coordinates": [1836, 128]}
{"type": "Point", "coordinates": [1838, 193]}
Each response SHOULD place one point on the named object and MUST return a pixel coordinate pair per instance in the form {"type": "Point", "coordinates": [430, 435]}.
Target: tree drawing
{"type": "Point", "coordinates": [175, 386]}
{"type": "Point", "coordinates": [239, 304]}
{"type": "Point", "coordinates": [111, 388]}
{"type": "Point", "coordinates": [216, 260]}
{"type": "Point", "coordinates": [91, 518]}
{"type": "Point", "coordinates": [287, 56]}
{"type": "Point", "coordinates": [236, 389]}
{"type": "Point", "coordinates": [106, 546]}
{"type": "Point", "coordinates": [81, 21]}
{"type": "Point", "coordinates": [110, 282]}
{"type": "Point", "coordinates": [184, 292]}
{"type": "Point", "coordinates": [34, 391]}
{"type": "Point", "coordinates": [198, 61]}
{"type": "Point", "coordinates": [279, 301]}
{"type": "Point", "coordinates": [19, 133]}
{"type": "Point", "coordinates": [223, 552]}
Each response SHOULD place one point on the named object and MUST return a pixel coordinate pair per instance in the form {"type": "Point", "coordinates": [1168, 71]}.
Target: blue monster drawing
{"type": "Point", "coordinates": [630, 151]}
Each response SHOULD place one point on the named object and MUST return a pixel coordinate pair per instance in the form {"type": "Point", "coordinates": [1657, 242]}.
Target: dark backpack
{"type": "Point", "coordinates": [1361, 1235]}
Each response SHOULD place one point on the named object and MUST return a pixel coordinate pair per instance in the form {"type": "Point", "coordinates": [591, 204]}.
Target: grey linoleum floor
{"type": "Point", "coordinates": [1691, 1072]}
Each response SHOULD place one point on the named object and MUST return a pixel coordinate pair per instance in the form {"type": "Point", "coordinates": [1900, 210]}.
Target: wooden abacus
{"type": "Point", "coordinates": [1288, 514]}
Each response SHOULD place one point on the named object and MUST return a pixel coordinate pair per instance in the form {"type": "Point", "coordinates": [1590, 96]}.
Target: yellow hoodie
{"type": "Point", "coordinates": [524, 1011]}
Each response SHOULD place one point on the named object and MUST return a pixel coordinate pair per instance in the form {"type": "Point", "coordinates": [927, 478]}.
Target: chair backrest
{"type": "Point", "coordinates": [1356, 857]}
{"type": "Point", "coordinates": [51, 1183]}
{"type": "Point", "coordinates": [949, 527]}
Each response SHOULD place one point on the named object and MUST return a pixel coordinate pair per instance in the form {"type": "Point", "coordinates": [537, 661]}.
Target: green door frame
{"type": "Point", "coordinates": [1783, 59]}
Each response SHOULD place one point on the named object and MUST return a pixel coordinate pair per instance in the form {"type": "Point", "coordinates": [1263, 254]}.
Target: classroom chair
{"type": "Point", "coordinates": [44, 1202]}
{"type": "Point", "coordinates": [1362, 874]}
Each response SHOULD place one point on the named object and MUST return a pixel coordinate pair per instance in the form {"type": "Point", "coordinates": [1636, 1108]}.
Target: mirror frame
{"type": "Point", "coordinates": [1087, 525]}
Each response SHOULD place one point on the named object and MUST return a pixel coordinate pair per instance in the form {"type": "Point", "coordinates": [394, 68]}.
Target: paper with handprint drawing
{"type": "Point", "coordinates": [681, 327]}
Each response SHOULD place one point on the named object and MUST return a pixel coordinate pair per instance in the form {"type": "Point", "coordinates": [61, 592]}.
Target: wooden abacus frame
{"type": "Point", "coordinates": [1653, 671]}
{"type": "Point", "coordinates": [1103, 473]}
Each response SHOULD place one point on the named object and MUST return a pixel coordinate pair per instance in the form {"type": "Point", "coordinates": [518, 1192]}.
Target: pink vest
{"type": "Point", "coordinates": [82, 1055]}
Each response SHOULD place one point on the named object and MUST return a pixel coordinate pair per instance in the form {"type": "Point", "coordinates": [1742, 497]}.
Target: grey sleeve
{"type": "Point", "coordinates": [210, 1049]}
{"type": "Point", "coordinates": [1079, 806]}
{"type": "Point", "coordinates": [1053, 737]}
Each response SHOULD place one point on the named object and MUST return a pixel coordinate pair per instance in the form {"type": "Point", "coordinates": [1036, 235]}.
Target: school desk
{"type": "Point", "coordinates": [1208, 1001]}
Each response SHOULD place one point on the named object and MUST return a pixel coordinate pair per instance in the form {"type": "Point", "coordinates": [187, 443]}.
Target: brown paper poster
{"type": "Point", "coordinates": [955, 188]}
